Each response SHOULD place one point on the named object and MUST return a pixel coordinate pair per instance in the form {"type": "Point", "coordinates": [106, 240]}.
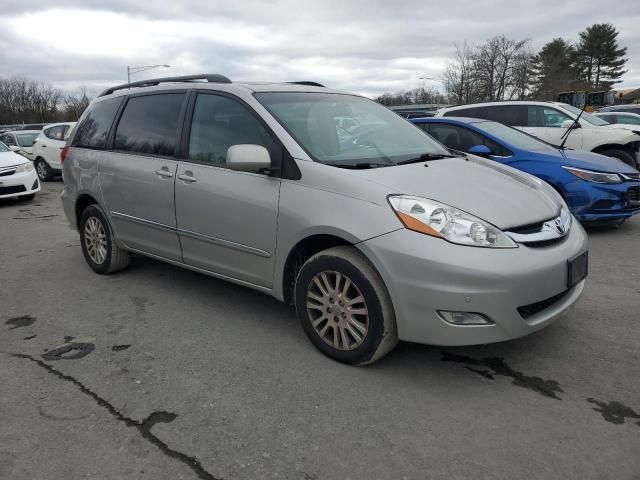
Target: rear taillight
{"type": "Point", "coordinates": [63, 154]}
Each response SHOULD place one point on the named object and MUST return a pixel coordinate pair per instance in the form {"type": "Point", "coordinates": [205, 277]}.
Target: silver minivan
{"type": "Point", "coordinates": [375, 233]}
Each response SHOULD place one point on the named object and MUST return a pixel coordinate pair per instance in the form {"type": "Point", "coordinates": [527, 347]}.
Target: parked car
{"type": "Point", "coordinates": [380, 237]}
{"type": "Point", "coordinates": [17, 175]}
{"type": "Point", "coordinates": [596, 188]}
{"type": "Point", "coordinates": [47, 147]}
{"type": "Point", "coordinates": [632, 108]}
{"type": "Point", "coordinates": [628, 120]}
{"type": "Point", "coordinates": [550, 121]}
{"type": "Point", "coordinates": [20, 141]}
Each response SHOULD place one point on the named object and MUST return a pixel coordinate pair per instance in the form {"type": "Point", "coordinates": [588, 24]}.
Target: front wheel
{"type": "Point", "coordinates": [98, 244]}
{"type": "Point", "coordinates": [344, 307]}
{"type": "Point", "coordinates": [620, 155]}
{"type": "Point", "coordinates": [44, 171]}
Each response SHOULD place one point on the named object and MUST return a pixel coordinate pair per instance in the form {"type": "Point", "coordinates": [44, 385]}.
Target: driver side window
{"type": "Point", "coordinates": [220, 122]}
{"type": "Point", "coordinates": [539, 116]}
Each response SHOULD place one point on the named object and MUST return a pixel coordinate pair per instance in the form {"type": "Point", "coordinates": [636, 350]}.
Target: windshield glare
{"type": "Point", "coordinates": [26, 139]}
{"type": "Point", "coordinates": [593, 120]}
{"type": "Point", "coordinates": [342, 130]}
{"type": "Point", "coordinates": [513, 137]}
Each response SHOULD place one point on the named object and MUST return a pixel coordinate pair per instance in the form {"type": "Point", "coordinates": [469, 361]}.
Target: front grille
{"type": "Point", "coordinates": [633, 194]}
{"type": "Point", "coordinates": [527, 311]}
{"type": "Point", "coordinates": [12, 189]}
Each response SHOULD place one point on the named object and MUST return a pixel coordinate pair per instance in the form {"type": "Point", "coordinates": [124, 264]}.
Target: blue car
{"type": "Point", "coordinates": [596, 188]}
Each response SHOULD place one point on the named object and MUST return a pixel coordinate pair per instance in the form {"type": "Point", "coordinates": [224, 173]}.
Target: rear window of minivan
{"type": "Point", "coordinates": [93, 130]}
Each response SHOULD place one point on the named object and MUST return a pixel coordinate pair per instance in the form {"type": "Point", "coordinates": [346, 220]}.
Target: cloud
{"type": "Point", "coordinates": [363, 46]}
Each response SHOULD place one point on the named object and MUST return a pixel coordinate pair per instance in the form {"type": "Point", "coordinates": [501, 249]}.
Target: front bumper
{"type": "Point", "coordinates": [425, 274]}
{"type": "Point", "coordinates": [18, 184]}
{"type": "Point", "coordinates": [597, 202]}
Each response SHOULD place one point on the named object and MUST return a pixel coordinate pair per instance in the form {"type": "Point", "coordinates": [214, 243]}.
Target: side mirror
{"type": "Point", "coordinates": [568, 123]}
{"type": "Point", "coordinates": [480, 150]}
{"type": "Point", "coordinates": [248, 158]}
{"type": "Point", "coordinates": [14, 148]}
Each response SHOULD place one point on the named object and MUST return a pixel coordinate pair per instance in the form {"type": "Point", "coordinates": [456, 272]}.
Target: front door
{"type": "Point", "coordinates": [227, 220]}
{"type": "Point", "coordinates": [137, 177]}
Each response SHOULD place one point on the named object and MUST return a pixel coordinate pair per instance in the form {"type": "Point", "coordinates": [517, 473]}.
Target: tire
{"type": "Point", "coordinates": [27, 198]}
{"type": "Point", "coordinates": [352, 338]}
{"type": "Point", "coordinates": [620, 155]}
{"type": "Point", "coordinates": [98, 244]}
{"type": "Point", "coordinates": [44, 171]}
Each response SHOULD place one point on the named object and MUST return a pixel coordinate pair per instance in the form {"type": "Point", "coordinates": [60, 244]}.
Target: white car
{"type": "Point", "coordinates": [550, 122]}
{"type": "Point", "coordinates": [628, 120]}
{"type": "Point", "coordinates": [20, 141]}
{"type": "Point", "coordinates": [17, 175]}
{"type": "Point", "coordinates": [47, 148]}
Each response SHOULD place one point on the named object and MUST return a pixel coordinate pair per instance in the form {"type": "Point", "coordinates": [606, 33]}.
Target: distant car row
{"type": "Point", "coordinates": [531, 136]}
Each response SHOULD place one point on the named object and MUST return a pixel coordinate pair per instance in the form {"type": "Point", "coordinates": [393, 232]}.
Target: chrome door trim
{"type": "Point", "coordinates": [142, 221]}
{"type": "Point", "coordinates": [224, 243]}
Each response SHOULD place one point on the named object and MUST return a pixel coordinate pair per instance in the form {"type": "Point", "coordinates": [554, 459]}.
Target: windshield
{"type": "Point", "coordinates": [593, 120]}
{"type": "Point", "coordinates": [3, 147]}
{"type": "Point", "coordinates": [345, 130]}
{"type": "Point", "coordinates": [513, 137]}
{"type": "Point", "coordinates": [26, 139]}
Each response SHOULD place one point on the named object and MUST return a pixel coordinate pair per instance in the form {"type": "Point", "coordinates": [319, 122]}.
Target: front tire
{"type": "Point", "coordinates": [620, 155]}
{"type": "Point", "coordinates": [98, 243]}
{"type": "Point", "coordinates": [44, 171]}
{"type": "Point", "coordinates": [344, 307]}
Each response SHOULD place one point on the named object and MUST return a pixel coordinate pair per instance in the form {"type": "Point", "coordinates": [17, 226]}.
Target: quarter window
{"type": "Point", "coordinates": [538, 116]}
{"type": "Point", "coordinates": [93, 131]}
{"type": "Point", "coordinates": [149, 124]}
{"type": "Point", "coordinates": [220, 122]}
{"type": "Point", "coordinates": [55, 133]}
{"type": "Point", "coordinates": [505, 114]}
{"type": "Point", "coordinates": [474, 112]}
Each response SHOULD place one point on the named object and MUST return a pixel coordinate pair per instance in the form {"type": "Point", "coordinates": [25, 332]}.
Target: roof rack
{"type": "Point", "coordinates": [307, 83]}
{"type": "Point", "coordinates": [209, 77]}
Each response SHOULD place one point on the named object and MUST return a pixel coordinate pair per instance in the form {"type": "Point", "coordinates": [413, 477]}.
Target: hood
{"type": "Point", "coordinates": [9, 159]}
{"type": "Point", "coordinates": [496, 193]}
{"type": "Point", "coordinates": [588, 161]}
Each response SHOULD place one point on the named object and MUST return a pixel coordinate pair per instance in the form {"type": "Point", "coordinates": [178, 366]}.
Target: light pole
{"type": "Point", "coordinates": [437, 91]}
{"type": "Point", "coordinates": [134, 70]}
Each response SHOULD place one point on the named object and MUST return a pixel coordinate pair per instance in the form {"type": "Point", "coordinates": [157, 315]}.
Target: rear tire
{"type": "Point", "coordinates": [44, 171]}
{"type": "Point", "coordinates": [27, 198]}
{"type": "Point", "coordinates": [330, 288]}
{"type": "Point", "coordinates": [98, 243]}
{"type": "Point", "coordinates": [620, 155]}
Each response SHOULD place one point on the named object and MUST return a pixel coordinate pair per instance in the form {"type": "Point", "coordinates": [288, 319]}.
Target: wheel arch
{"type": "Point", "coordinates": [82, 202]}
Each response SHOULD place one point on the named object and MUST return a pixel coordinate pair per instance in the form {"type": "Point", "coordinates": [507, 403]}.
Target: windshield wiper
{"type": "Point", "coordinates": [575, 124]}
{"type": "Point", "coordinates": [425, 157]}
{"type": "Point", "coordinates": [358, 166]}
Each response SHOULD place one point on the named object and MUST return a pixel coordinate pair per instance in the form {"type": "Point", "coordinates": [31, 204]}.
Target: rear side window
{"type": "Point", "coordinates": [474, 112]}
{"type": "Point", "coordinates": [506, 114]}
{"type": "Point", "coordinates": [149, 124]}
{"type": "Point", "coordinates": [462, 139]}
{"type": "Point", "coordinates": [56, 133]}
{"type": "Point", "coordinates": [93, 131]}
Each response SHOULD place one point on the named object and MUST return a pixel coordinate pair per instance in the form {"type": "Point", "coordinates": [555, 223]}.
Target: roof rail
{"type": "Point", "coordinates": [209, 77]}
{"type": "Point", "coordinates": [307, 83]}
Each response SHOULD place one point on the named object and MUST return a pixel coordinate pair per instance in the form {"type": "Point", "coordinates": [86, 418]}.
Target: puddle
{"type": "Point", "coordinates": [70, 351]}
{"type": "Point", "coordinates": [19, 322]}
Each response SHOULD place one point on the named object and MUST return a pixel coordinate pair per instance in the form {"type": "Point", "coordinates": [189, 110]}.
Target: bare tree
{"type": "Point", "coordinates": [460, 76]}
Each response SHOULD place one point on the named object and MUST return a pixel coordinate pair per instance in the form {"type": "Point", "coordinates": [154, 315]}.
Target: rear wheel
{"type": "Point", "coordinates": [620, 155]}
{"type": "Point", "coordinates": [344, 307]}
{"type": "Point", "coordinates": [98, 243]}
{"type": "Point", "coordinates": [44, 171]}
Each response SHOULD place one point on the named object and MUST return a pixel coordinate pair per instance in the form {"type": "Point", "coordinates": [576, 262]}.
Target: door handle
{"type": "Point", "coordinates": [44, 146]}
{"type": "Point", "coordinates": [164, 172]}
{"type": "Point", "coordinates": [187, 177]}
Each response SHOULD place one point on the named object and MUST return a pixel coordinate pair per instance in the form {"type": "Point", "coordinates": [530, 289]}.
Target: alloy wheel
{"type": "Point", "coordinates": [337, 310]}
{"type": "Point", "coordinates": [95, 240]}
{"type": "Point", "coordinates": [42, 170]}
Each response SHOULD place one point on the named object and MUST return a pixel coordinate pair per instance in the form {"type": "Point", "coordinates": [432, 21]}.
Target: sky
{"type": "Point", "coordinates": [368, 47]}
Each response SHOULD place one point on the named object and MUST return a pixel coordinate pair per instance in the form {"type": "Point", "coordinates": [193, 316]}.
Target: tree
{"type": "Point", "coordinates": [599, 59]}
{"type": "Point", "coordinates": [553, 70]}
{"type": "Point", "coordinates": [460, 79]}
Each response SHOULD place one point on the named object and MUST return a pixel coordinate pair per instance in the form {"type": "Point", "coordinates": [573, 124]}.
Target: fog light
{"type": "Point", "coordinates": [464, 318]}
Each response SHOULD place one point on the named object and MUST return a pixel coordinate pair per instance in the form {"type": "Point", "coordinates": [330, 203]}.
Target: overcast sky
{"type": "Point", "coordinates": [362, 46]}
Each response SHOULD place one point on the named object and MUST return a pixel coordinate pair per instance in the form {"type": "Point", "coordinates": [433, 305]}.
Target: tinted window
{"type": "Point", "coordinates": [462, 139]}
{"type": "Point", "coordinates": [506, 114]}
{"type": "Point", "coordinates": [149, 124]}
{"type": "Point", "coordinates": [474, 112]}
{"type": "Point", "coordinates": [219, 123]}
{"type": "Point", "coordinates": [94, 128]}
{"type": "Point", "coordinates": [538, 116]}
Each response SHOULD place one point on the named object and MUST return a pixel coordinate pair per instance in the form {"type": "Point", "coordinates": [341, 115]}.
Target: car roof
{"type": "Point", "coordinates": [18, 132]}
{"type": "Point", "coordinates": [49, 125]}
{"type": "Point", "coordinates": [504, 102]}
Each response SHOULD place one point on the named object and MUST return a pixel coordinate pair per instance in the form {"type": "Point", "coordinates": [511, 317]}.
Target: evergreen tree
{"type": "Point", "coordinates": [600, 60]}
{"type": "Point", "coordinates": [552, 70]}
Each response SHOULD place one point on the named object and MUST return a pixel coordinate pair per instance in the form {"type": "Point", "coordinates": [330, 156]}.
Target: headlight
{"type": "Point", "coordinates": [24, 167]}
{"type": "Point", "coordinates": [442, 221]}
{"type": "Point", "coordinates": [594, 177]}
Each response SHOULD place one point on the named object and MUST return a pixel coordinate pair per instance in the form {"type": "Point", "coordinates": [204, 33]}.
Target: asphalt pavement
{"type": "Point", "coordinates": [162, 373]}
